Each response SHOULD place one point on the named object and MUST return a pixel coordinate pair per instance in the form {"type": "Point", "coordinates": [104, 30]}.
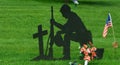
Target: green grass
{"type": "Point", "coordinates": [19, 20]}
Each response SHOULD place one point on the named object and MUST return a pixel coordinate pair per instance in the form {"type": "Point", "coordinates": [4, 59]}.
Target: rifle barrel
{"type": "Point", "coordinates": [52, 12]}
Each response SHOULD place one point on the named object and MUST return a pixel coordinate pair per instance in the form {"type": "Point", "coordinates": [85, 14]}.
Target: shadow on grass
{"type": "Point", "coordinates": [53, 1]}
{"type": "Point", "coordinates": [102, 3]}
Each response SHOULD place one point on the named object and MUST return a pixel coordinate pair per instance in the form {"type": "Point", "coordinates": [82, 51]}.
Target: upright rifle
{"type": "Point", "coordinates": [50, 40]}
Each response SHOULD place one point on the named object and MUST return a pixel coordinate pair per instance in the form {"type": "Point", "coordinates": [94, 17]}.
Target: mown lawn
{"type": "Point", "coordinates": [19, 20]}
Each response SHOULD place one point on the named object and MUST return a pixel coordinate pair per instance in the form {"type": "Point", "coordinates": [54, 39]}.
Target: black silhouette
{"type": "Point", "coordinates": [99, 53]}
{"type": "Point", "coordinates": [40, 38]}
{"type": "Point", "coordinates": [73, 29]}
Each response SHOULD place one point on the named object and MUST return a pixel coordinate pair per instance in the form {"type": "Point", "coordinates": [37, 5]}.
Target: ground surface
{"type": "Point", "coordinates": [19, 20]}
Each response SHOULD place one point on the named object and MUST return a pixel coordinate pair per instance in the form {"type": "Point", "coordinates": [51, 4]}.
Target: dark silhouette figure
{"type": "Point", "coordinates": [73, 29]}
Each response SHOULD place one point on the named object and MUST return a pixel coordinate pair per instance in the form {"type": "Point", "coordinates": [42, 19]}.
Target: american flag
{"type": "Point", "coordinates": [107, 25]}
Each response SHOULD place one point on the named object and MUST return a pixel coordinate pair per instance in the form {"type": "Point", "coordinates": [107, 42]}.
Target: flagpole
{"type": "Point", "coordinates": [113, 33]}
{"type": "Point", "coordinates": [107, 26]}
{"type": "Point", "coordinates": [112, 29]}
{"type": "Point", "coordinates": [114, 43]}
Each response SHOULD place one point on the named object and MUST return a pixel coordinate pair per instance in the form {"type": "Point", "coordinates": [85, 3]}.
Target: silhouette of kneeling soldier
{"type": "Point", "coordinates": [73, 29]}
